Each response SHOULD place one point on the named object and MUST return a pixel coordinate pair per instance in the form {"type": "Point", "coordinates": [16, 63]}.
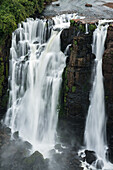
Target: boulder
{"type": "Point", "coordinates": [56, 3]}
{"type": "Point", "coordinates": [7, 130]}
{"type": "Point", "coordinates": [16, 135]}
{"type": "Point", "coordinates": [88, 5]}
{"type": "Point", "coordinates": [59, 148]}
{"type": "Point", "coordinates": [27, 145]}
{"type": "Point", "coordinates": [90, 156]}
{"type": "Point", "coordinates": [35, 162]}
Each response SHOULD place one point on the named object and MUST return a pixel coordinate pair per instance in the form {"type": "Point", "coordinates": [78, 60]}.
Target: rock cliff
{"type": "Point", "coordinates": [4, 68]}
{"type": "Point", "coordinates": [77, 80]}
{"type": "Point", "coordinates": [108, 84]}
{"type": "Point", "coordinates": [77, 77]}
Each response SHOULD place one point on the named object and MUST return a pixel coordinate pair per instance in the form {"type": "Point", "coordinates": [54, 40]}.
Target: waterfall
{"type": "Point", "coordinates": [86, 28]}
{"type": "Point", "coordinates": [95, 130]}
{"type": "Point", "coordinates": [36, 67]}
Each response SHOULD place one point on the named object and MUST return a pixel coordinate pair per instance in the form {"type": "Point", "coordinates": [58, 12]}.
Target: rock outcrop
{"type": "Point", "coordinates": [88, 5]}
{"type": "Point", "coordinates": [77, 77]}
{"type": "Point", "coordinates": [108, 84]}
{"type": "Point", "coordinates": [4, 69]}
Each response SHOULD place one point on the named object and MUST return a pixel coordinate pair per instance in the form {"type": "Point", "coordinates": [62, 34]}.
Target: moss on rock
{"type": "Point", "coordinates": [73, 89]}
{"type": "Point", "coordinates": [1, 75]}
{"type": "Point", "coordinates": [92, 27]}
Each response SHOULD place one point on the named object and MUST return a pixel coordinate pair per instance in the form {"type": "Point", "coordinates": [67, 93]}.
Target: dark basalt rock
{"type": "Point", "coordinates": [14, 155]}
{"type": "Point", "coordinates": [7, 130]}
{"type": "Point", "coordinates": [35, 42]}
{"type": "Point", "coordinates": [88, 5]}
{"type": "Point", "coordinates": [56, 3]}
{"type": "Point", "coordinates": [90, 157]}
{"type": "Point", "coordinates": [27, 145]}
{"type": "Point", "coordinates": [76, 80]}
{"type": "Point", "coordinates": [16, 135]}
{"type": "Point", "coordinates": [51, 152]}
{"type": "Point", "coordinates": [67, 37]}
{"type": "Point", "coordinates": [58, 147]}
{"type": "Point", "coordinates": [108, 86]}
{"type": "Point", "coordinates": [68, 161]}
{"type": "Point", "coordinates": [35, 161]}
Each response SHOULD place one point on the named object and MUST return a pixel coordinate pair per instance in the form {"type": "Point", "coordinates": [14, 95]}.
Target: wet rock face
{"type": "Point", "coordinates": [4, 60]}
{"type": "Point", "coordinates": [67, 37]}
{"type": "Point", "coordinates": [88, 5]}
{"type": "Point", "coordinates": [77, 79]}
{"type": "Point", "coordinates": [77, 82]}
{"type": "Point", "coordinates": [90, 156]}
{"type": "Point", "coordinates": [15, 154]}
{"type": "Point", "coordinates": [108, 85]}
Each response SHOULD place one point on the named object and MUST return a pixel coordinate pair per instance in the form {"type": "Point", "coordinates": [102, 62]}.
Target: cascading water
{"type": "Point", "coordinates": [95, 130]}
{"type": "Point", "coordinates": [36, 67]}
{"type": "Point", "coordinates": [96, 122]}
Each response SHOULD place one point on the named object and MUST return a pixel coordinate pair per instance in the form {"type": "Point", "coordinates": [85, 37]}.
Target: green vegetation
{"type": "Point", "coordinates": [14, 11]}
{"type": "Point", "coordinates": [92, 27]}
{"type": "Point", "coordinates": [65, 99]}
{"type": "Point", "coordinates": [78, 26]}
{"type": "Point", "coordinates": [81, 28]}
{"type": "Point", "coordinates": [106, 97]}
{"type": "Point", "coordinates": [75, 42]}
{"type": "Point", "coordinates": [66, 88]}
{"type": "Point", "coordinates": [1, 75]}
{"type": "Point", "coordinates": [72, 22]}
{"type": "Point", "coordinates": [73, 89]}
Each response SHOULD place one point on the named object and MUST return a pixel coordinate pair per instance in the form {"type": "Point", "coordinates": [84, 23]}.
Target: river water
{"type": "Point", "coordinates": [96, 11]}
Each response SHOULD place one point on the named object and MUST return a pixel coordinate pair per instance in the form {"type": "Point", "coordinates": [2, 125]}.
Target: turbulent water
{"type": "Point", "coordinates": [95, 130]}
{"type": "Point", "coordinates": [36, 66]}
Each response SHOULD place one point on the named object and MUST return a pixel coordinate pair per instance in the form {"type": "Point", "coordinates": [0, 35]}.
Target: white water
{"type": "Point", "coordinates": [95, 130]}
{"type": "Point", "coordinates": [86, 28]}
{"type": "Point", "coordinates": [36, 67]}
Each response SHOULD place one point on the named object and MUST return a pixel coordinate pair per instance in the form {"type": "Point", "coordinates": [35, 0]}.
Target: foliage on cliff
{"type": "Point", "coordinates": [14, 11]}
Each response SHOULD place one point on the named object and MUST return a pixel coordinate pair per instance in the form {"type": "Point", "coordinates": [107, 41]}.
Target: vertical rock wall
{"type": "Point", "coordinates": [108, 85]}
{"type": "Point", "coordinates": [77, 78]}
{"type": "Point", "coordinates": [4, 63]}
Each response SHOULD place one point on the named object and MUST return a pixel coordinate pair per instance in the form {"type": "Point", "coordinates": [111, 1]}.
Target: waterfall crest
{"type": "Point", "coordinates": [36, 67]}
